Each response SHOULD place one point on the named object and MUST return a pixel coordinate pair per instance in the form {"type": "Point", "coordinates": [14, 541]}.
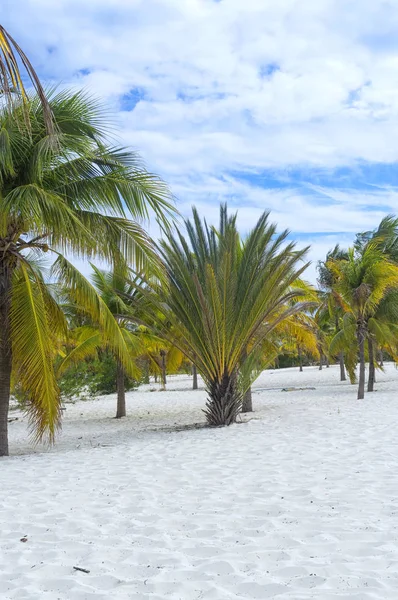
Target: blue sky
{"type": "Point", "coordinates": [284, 106]}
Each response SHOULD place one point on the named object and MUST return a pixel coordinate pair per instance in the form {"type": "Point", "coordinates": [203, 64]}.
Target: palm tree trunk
{"type": "Point", "coordinates": [361, 346]}
{"type": "Point", "coordinates": [381, 358]}
{"type": "Point", "coordinates": [146, 371]}
{"type": "Point", "coordinates": [320, 361]}
{"type": "Point", "coordinates": [195, 377]}
{"type": "Point", "coordinates": [225, 401]}
{"type": "Point", "coordinates": [121, 392]}
{"type": "Point", "coordinates": [342, 367]}
{"type": "Point", "coordinates": [5, 356]}
{"type": "Point", "coordinates": [327, 362]}
{"type": "Point", "coordinates": [300, 357]}
{"type": "Point", "coordinates": [163, 367]}
{"type": "Point", "coordinates": [247, 403]}
{"type": "Point", "coordinates": [371, 376]}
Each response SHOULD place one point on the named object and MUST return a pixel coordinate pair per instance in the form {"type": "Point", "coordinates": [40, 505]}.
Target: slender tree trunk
{"type": "Point", "coordinates": [163, 367]}
{"type": "Point", "coordinates": [361, 346]}
{"type": "Point", "coordinates": [327, 362]}
{"type": "Point", "coordinates": [225, 401]}
{"type": "Point", "coordinates": [247, 403]}
{"type": "Point", "coordinates": [155, 376]}
{"type": "Point", "coordinates": [121, 392]}
{"type": "Point", "coordinates": [320, 361]}
{"type": "Point", "coordinates": [381, 358]}
{"type": "Point", "coordinates": [146, 371]}
{"type": "Point", "coordinates": [5, 356]}
{"type": "Point", "coordinates": [300, 357]}
{"type": "Point", "coordinates": [371, 375]}
{"type": "Point", "coordinates": [195, 377]}
{"type": "Point", "coordinates": [342, 367]}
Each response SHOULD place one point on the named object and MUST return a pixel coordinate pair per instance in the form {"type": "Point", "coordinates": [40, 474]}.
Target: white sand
{"type": "Point", "coordinates": [299, 503]}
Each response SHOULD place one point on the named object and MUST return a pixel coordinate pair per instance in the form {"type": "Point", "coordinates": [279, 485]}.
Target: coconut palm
{"type": "Point", "coordinates": [385, 334]}
{"type": "Point", "coordinates": [167, 358]}
{"type": "Point", "coordinates": [330, 312]}
{"type": "Point", "coordinates": [223, 297]}
{"type": "Point", "coordinates": [362, 282]}
{"type": "Point", "coordinates": [299, 337]}
{"type": "Point", "coordinates": [77, 196]}
{"type": "Point", "coordinates": [88, 339]}
{"type": "Point", "coordinates": [295, 334]}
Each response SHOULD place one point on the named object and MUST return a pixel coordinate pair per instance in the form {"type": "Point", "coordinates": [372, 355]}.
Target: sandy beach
{"type": "Point", "coordinates": [299, 502]}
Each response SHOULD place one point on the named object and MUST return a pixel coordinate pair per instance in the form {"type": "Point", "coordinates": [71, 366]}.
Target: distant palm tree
{"type": "Point", "coordinates": [330, 313]}
{"type": "Point", "coordinates": [77, 196]}
{"type": "Point", "coordinates": [295, 334]}
{"type": "Point", "coordinates": [362, 283]}
{"type": "Point", "coordinates": [299, 337]}
{"type": "Point", "coordinates": [88, 339]}
{"type": "Point", "coordinates": [223, 297]}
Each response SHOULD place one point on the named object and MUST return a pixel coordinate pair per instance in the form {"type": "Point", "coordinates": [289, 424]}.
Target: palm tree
{"type": "Point", "coordinates": [362, 282]}
{"type": "Point", "coordinates": [299, 337]}
{"type": "Point", "coordinates": [223, 297]}
{"type": "Point", "coordinates": [330, 312]}
{"type": "Point", "coordinates": [295, 334]}
{"type": "Point", "coordinates": [194, 377]}
{"type": "Point", "coordinates": [168, 359]}
{"type": "Point", "coordinates": [384, 333]}
{"type": "Point", "coordinates": [77, 196]}
{"type": "Point", "coordinates": [88, 339]}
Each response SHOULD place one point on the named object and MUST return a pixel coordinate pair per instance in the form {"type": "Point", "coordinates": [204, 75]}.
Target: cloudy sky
{"type": "Point", "coordinates": [289, 105]}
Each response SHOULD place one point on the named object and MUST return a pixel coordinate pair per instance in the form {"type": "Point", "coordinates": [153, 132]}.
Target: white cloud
{"type": "Point", "coordinates": [209, 108]}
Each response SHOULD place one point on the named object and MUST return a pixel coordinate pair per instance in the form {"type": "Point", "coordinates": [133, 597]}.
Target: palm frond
{"type": "Point", "coordinates": [34, 351]}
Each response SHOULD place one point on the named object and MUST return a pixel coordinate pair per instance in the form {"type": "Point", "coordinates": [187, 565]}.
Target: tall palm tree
{"type": "Point", "coordinates": [299, 337]}
{"type": "Point", "coordinates": [88, 339]}
{"type": "Point", "coordinates": [223, 297]}
{"type": "Point", "coordinates": [362, 282]}
{"type": "Point", "coordinates": [294, 334]}
{"type": "Point", "coordinates": [385, 236]}
{"type": "Point", "coordinates": [330, 312]}
{"type": "Point", "coordinates": [77, 196]}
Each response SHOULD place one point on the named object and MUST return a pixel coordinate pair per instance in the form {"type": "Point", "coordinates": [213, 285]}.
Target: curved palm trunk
{"type": "Point", "coordinates": [5, 356]}
{"type": "Point", "coordinates": [121, 392]}
{"type": "Point", "coordinates": [247, 402]}
{"type": "Point", "coordinates": [361, 335]}
{"type": "Point", "coordinates": [371, 376]}
{"type": "Point", "coordinates": [195, 377]}
{"type": "Point", "coordinates": [342, 367]}
{"type": "Point", "coordinates": [225, 401]}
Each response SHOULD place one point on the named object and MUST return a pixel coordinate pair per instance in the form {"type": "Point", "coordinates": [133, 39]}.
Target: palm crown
{"type": "Point", "coordinates": [222, 298]}
{"type": "Point", "coordinates": [67, 192]}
